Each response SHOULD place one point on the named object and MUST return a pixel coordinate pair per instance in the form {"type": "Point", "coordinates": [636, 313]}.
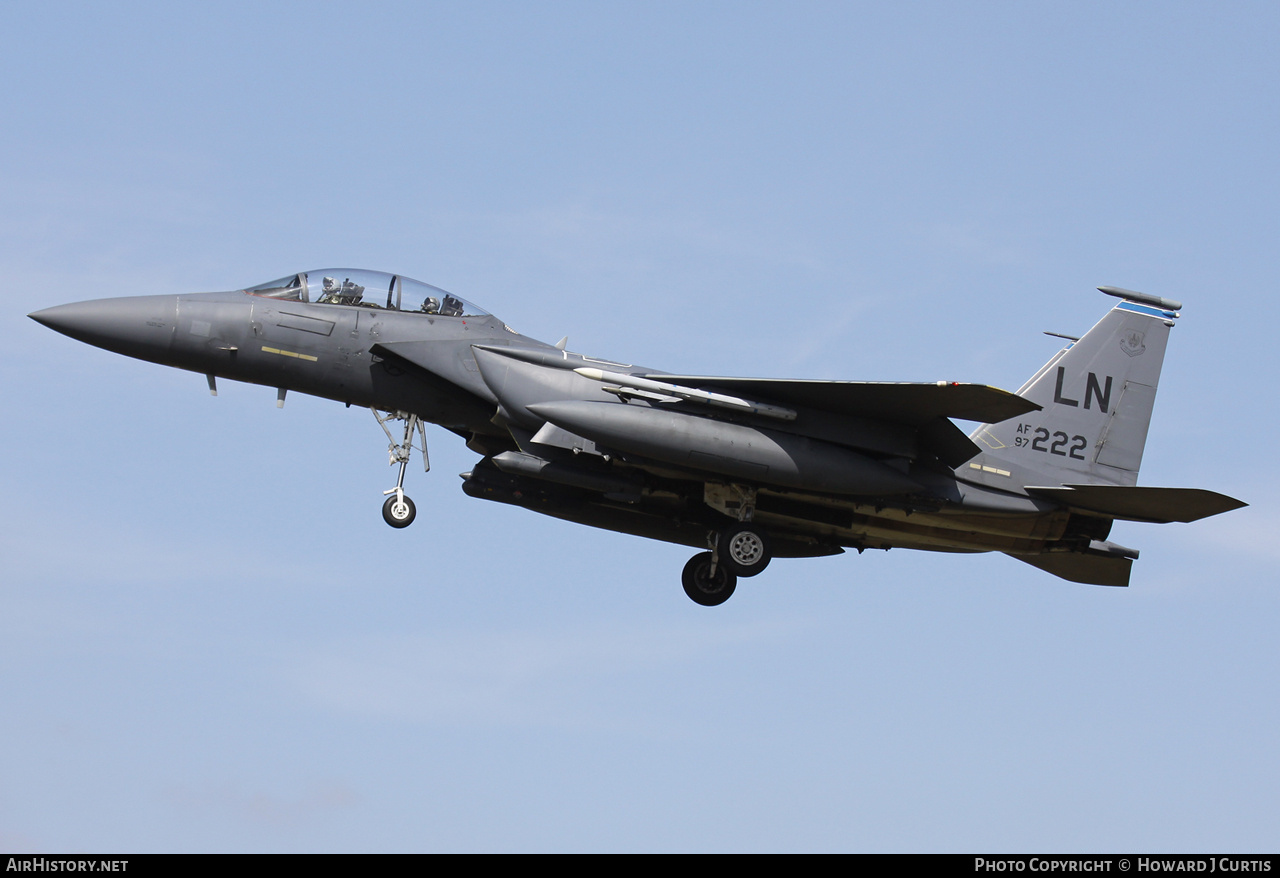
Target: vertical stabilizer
{"type": "Point", "coordinates": [1097, 395]}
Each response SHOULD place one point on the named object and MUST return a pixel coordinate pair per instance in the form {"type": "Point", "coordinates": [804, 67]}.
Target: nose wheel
{"type": "Point", "coordinates": [398, 510]}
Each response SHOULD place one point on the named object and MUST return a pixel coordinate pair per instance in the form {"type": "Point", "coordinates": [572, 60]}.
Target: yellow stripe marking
{"type": "Point", "coordinates": [990, 469]}
{"type": "Point", "coordinates": [308, 357]}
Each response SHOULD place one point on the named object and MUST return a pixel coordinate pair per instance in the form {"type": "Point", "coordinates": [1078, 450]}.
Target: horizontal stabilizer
{"type": "Point", "coordinates": [1089, 569]}
{"type": "Point", "coordinates": [1157, 505]}
{"type": "Point", "coordinates": [914, 404]}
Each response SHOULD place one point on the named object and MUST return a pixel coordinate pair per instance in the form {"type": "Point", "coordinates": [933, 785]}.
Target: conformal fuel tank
{"type": "Point", "coordinates": [736, 450]}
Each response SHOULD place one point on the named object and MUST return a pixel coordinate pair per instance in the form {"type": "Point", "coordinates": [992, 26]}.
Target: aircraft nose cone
{"type": "Point", "coordinates": [137, 326]}
{"type": "Point", "coordinates": [62, 318]}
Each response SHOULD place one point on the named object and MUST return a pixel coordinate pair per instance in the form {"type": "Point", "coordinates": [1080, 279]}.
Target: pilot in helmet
{"type": "Point", "coordinates": [331, 291]}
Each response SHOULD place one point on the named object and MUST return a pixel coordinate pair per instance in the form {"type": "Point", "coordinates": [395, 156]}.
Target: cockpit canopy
{"type": "Point", "coordinates": [367, 289]}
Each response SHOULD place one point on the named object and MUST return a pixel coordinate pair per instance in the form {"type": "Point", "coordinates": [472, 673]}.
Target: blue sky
{"type": "Point", "coordinates": [212, 642]}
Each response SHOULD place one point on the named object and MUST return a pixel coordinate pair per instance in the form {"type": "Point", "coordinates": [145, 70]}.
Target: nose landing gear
{"type": "Point", "coordinates": [398, 510]}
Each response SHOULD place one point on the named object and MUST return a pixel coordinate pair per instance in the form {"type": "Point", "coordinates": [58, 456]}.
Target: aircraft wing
{"type": "Point", "coordinates": [914, 404]}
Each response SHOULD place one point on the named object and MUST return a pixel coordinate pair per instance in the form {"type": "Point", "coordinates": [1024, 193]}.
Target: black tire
{"type": "Point", "coordinates": [703, 588]}
{"type": "Point", "coordinates": [397, 515]}
{"type": "Point", "coordinates": [744, 550]}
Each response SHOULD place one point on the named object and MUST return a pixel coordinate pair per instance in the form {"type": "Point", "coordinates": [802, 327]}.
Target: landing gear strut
{"type": "Point", "coordinates": [740, 549]}
{"type": "Point", "coordinates": [398, 510]}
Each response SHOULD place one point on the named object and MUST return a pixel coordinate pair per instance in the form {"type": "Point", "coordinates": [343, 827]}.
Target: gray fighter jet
{"type": "Point", "coordinates": [744, 469]}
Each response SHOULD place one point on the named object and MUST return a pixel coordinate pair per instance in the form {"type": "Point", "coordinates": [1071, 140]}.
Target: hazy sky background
{"type": "Point", "coordinates": [212, 642]}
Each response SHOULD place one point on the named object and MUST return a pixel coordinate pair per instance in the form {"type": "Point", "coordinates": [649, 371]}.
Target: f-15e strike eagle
{"type": "Point", "coordinates": [743, 469]}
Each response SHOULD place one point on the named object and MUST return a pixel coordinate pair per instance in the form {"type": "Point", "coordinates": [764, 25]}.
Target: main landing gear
{"type": "Point", "coordinates": [744, 549]}
{"type": "Point", "coordinates": [398, 510]}
{"type": "Point", "coordinates": [707, 582]}
{"type": "Point", "coordinates": [741, 549]}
